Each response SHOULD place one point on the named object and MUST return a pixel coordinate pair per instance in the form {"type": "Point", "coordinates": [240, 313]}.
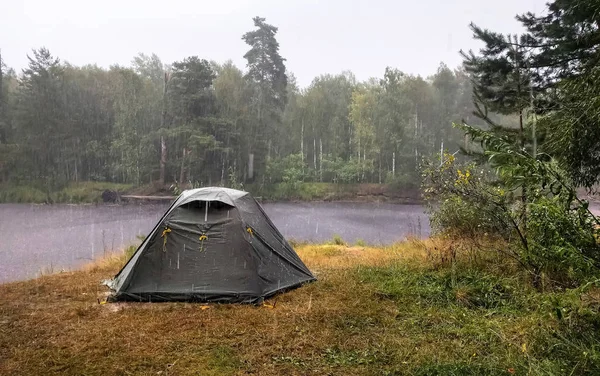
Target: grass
{"type": "Point", "coordinates": [317, 191]}
{"type": "Point", "coordinates": [75, 193]}
{"type": "Point", "coordinates": [90, 192]}
{"type": "Point", "coordinates": [373, 311]}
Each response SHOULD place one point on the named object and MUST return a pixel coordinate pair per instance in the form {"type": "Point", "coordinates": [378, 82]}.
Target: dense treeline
{"type": "Point", "coordinates": [200, 122]}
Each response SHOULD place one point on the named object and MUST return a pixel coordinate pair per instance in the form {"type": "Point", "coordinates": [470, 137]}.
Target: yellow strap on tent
{"type": "Point", "coordinates": [249, 231]}
{"type": "Point", "coordinates": [164, 236]}
{"type": "Point", "coordinates": [203, 237]}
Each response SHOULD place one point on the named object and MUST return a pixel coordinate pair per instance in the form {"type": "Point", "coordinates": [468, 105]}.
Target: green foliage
{"type": "Point", "coordinates": [463, 201]}
{"type": "Point", "coordinates": [224, 359]}
{"type": "Point", "coordinates": [502, 325]}
{"type": "Point", "coordinates": [198, 121]}
{"type": "Point", "coordinates": [470, 288]}
{"type": "Point", "coordinates": [571, 131]}
{"type": "Point", "coordinates": [552, 234]}
{"type": "Point", "coordinates": [563, 242]}
{"type": "Point", "coordinates": [403, 181]}
{"type": "Point", "coordinates": [74, 193]}
{"type": "Point", "coordinates": [289, 170]}
{"type": "Point", "coordinates": [337, 240]}
{"type": "Point", "coordinates": [22, 194]}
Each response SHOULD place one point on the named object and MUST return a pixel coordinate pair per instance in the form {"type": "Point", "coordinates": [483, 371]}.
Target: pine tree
{"type": "Point", "coordinates": [501, 79]}
{"type": "Point", "coordinates": [267, 75]}
{"type": "Point", "coordinates": [566, 45]}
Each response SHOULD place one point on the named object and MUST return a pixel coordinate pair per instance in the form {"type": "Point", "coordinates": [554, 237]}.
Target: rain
{"type": "Point", "coordinates": [300, 187]}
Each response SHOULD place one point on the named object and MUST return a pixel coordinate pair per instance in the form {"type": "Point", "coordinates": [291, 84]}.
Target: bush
{"type": "Point", "coordinates": [528, 202]}
{"type": "Point", "coordinates": [462, 201]}
{"type": "Point", "coordinates": [337, 240]}
{"type": "Point", "coordinates": [402, 181]}
{"type": "Point", "coordinates": [561, 242]}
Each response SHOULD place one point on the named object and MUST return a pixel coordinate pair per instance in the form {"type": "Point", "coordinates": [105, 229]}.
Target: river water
{"type": "Point", "coordinates": [50, 238]}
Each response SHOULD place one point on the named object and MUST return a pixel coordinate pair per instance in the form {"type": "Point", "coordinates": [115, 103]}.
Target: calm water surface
{"type": "Point", "coordinates": [46, 238]}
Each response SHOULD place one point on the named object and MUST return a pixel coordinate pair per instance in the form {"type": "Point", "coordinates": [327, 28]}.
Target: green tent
{"type": "Point", "coordinates": [212, 245]}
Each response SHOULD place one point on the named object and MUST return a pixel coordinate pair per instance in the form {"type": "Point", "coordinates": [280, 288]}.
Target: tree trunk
{"type": "Point", "coordinates": [379, 168]}
{"type": "Point", "coordinates": [320, 160]}
{"type": "Point", "coordinates": [163, 160]}
{"type": "Point", "coordinates": [302, 145]}
{"type": "Point", "coordinates": [315, 154]}
{"type": "Point", "coordinates": [250, 166]}
{"type": "Point", "coordinates": [223, 169]}
{"type": "Point", "coordinates": [182, 171]}
{"type": "Point", "coordinates": [163, 144]}
{"type": "Point", "coordinates": [522, 139]}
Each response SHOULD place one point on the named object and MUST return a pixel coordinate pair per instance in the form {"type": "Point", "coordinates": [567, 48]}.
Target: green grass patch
{"type": "Point", "coordinates": [74, 193]}
{"type": "Point", "coordinates": [470, 288]}
{"type": "Point", "coordinates": [485, 324]}
{"type": "Point", "coordinates": [224, 359]}
{"type": "Point", "coordinates": [22, 194]}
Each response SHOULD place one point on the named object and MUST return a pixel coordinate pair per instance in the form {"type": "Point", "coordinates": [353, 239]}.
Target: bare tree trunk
{"type": "Point", "coordinates": [379, 168]}
{"type": "Point", "coordinates": [315, 154]}
{"type": "Point", "coordinates": [320, 160]}
{"type": "Point", "coordinates": [416, 134]}
{"type": "Point", "coordinates": [394, 164]}
{"type": "Point", "coordinates": [163, 144]}
{"type": "Point", "coordinates": [522, 139]}
{"type": "Point", "coordinates": [182, 171]}
{"type": "Point", "coordinates": [223, 170]}
{"type": "Point", "coordinates": [302, 145]}
{"type": "Point", "coordinates": [251, 166]}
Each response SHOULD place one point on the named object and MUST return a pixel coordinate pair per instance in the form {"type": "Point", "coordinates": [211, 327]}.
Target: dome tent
{"type": "Point", "coordinates": [212, 245]}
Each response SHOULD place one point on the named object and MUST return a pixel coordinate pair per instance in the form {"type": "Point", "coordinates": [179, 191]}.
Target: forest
{"type": "Point", "coordinates": [198, 122]}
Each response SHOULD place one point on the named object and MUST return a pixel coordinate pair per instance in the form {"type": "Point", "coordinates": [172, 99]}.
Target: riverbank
{"type": "Point", "coordinates": [74, 193]}
{"type": "Point", "coordinates": [394, 310]}
{"type": "Point", "coordinates": [91, 192]}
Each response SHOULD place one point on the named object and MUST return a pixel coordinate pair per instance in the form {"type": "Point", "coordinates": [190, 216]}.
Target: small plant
{"type": "Point", "coordinates": [360, 243]}
{"type": "Point", "coordinates": [337, 240]}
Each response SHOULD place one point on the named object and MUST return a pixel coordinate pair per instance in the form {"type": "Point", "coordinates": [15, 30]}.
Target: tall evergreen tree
{"type": "Point", "coordinates": [267, 74]}
{"type": "Point", "coordinates": [42, 119]}
{"type": "Point", "coordinates": [566, 45]}
{"type": "Point", "coordinates": [501, 78]}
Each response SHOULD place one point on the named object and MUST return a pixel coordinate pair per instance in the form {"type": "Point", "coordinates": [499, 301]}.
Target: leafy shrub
{"type": "Point", "coordinates": [463, 201]}
{"type": "Point", "coordinates": [402, 181]}
{"type": "Point", "coordinates": [561, 242]}
{"type": "Point", "coordinates": [288, 171]}
{"type": "Point", "coordinates": [337, 240]}
{"type": "Point", "coordinates": [528, 202]}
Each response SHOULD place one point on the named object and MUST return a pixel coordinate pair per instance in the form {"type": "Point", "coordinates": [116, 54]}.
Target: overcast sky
{"type": "Point", "coordinates": [316, 36]}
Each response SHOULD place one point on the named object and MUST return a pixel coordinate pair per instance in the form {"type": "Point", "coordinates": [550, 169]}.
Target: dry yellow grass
{"type": "Point", "coordinates": [55, 324]}
{"type": "Point", "coordinates": [373, 311]}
